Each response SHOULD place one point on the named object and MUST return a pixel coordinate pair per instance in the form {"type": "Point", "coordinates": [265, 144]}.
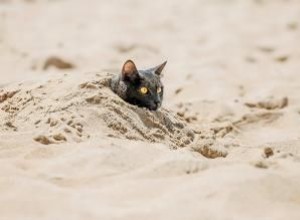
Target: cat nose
{"type": "Point", "coordinates": [157, 103]}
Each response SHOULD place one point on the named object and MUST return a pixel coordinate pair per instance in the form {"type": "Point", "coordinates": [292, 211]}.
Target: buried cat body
{"type": "Point", "coordinates": [139, 87]}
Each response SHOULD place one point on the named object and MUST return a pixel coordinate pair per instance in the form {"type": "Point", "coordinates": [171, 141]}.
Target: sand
{"type": "Point", "coordinates": [225, 144]}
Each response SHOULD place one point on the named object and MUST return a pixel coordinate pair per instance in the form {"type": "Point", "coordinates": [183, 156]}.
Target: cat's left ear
{"type": "Point", "coordinates": [160, 68]}
{"type": "Point", "coordinates": [130, 72]}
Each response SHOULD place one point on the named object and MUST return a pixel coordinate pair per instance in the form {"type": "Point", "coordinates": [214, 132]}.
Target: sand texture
{"type": "Point", "coordinates": [225, 145]}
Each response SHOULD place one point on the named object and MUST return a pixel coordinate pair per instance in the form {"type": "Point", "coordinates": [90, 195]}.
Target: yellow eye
{"type": "Point", "coordinates": [159, 90]}
{"type": "Point", "coordinates": [143, 90]}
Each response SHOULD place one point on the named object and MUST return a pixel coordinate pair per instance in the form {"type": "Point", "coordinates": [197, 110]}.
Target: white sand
{"type": "Point", "coordinates": [71, 149]}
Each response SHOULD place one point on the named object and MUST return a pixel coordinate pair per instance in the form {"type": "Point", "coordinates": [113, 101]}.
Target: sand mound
{"type": "Point", "coordinates": [54, 118]}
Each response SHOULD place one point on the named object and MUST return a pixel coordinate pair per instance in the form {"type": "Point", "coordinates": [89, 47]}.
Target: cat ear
{"type": "Point", "coordinates": [129, 71]}
{"type": "Point", "coordinates": [160, 68]}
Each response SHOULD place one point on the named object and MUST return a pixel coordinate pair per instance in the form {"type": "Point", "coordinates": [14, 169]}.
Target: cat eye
{"type": "Point", "coordinates": [143, 90]}
{"type": "Point", "coordinates": [159, 90]}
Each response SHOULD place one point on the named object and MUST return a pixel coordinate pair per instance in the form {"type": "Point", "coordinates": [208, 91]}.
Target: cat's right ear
{"type": "Point", "coordinates": [130, 72]}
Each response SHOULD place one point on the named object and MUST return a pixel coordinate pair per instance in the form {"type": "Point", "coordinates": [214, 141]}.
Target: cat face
{"type": "Point", "coordinates": [144, 87]}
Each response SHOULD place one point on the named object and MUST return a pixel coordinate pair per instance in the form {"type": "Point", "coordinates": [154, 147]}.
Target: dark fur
{"type": "Point", "coordinates": [128, 83]}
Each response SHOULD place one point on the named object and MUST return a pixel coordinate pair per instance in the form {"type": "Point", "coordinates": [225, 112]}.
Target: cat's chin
{"type": "Point", "coordinates": [153, 108]}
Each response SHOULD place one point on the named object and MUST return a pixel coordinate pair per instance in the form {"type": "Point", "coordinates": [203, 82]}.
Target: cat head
{"type": "Point", "coordinates": [144, 87]}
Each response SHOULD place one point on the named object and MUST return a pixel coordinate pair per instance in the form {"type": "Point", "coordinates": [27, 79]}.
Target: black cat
{"type": "Point", "coordinates": [140, 87]}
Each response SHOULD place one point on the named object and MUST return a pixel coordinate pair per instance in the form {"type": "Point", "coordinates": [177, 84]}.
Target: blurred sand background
{"type": "Point", "coordinates": [232, 73]}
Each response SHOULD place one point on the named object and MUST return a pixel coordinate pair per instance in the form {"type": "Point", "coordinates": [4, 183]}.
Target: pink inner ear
{"type": "Point", "coordinates": [129, 68]}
